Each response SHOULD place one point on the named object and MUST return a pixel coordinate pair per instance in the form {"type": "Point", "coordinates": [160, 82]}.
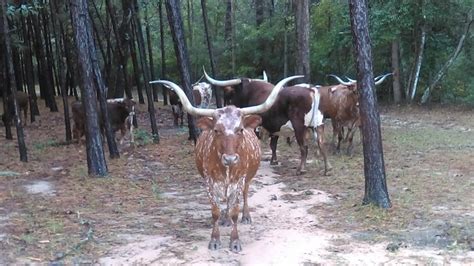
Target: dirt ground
{"type": "Point", "coordinates": [153, 209]}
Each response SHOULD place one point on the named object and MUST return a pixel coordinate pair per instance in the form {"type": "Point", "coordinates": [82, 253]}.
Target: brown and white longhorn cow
{"type": "Point", "coordinates": [296, 104]}
{"type": "Point", "coordinates": [341, 104]}
{"type": "Point", "coordinates": [227, 156]}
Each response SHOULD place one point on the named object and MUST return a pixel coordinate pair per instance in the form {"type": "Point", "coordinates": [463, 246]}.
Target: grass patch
{"type": "Point", "coordinates": [142, 137]}
{"type": "Point", "coordinates": [40, 146]}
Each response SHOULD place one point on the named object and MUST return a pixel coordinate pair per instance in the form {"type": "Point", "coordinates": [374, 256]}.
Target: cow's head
{"type": "Point", "coordinates": [230, 124]}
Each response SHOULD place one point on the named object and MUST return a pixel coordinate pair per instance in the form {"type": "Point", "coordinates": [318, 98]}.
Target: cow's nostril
{"type": "Point", "coordinates": [230, 159]}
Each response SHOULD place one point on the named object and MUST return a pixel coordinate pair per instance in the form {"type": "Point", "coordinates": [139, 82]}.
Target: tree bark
{"type": "Point", "coordinates": [419, 59]}
{"type": "Point", "coordinates": [146, 74]}
{"type": "Point", "coordinates": [229, 32]}
{"type": "Point", "coordinates": [55, 11]}
{"type": "Point", "coordinates": [176, 24]}
{"type": "Point", "coordinates": [374, 168]}
{"type": "Point", "coordinates": [150, 54]}
{"type": "Point", "coordinates": [163, 54]}
{"type": "Point", "coordinates": [9, 66]}
{"type": "Point", "coordinates": [302, 39]}
{"type": "Point", "coordinates": [397, 91]}
{"type": "Point", "coordinates": [96, 163]}
{"type": "Point", "coordinates": [444, 69]}
{"type": "Point", "coordinates": [218, 93]}
{"type": "Point", "coordinates": [29, 69]}
{"type": "Point", "coordinates": [121, 55]}
{"type": "Point", "coordinates": [136, 68]}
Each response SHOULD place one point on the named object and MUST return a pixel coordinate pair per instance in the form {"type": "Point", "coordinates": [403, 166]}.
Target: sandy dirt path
{"type": "Point", "coordinates": [282, 233]}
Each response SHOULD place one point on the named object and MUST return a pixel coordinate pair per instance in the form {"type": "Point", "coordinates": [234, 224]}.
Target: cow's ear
{"type": "Point", "coordinates": [205, 123]}
{"type": "Point", "coordinates": [252, 121]}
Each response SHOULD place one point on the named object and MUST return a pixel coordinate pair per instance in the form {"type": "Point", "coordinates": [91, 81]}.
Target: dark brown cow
{"type": "Point", "coordinates": [119, 111]}
{"type": "Point", "coordinates": [293, 105]}
{"type": "Point", "coordinates": [22, 100]}
{"type": "Point", "coordinates": [202, 94]}
{"type": "Point", "coordinates": [227, 156]}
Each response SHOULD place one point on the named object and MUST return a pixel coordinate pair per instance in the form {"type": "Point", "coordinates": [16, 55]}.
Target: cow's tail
{"type": "Point", "coordinates": [316, 116]}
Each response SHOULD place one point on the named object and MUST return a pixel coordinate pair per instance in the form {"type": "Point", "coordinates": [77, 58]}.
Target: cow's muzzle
{"type": "Point", "coordinates": [230, 159]}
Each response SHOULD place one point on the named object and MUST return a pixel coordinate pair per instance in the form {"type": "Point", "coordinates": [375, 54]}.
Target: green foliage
{"type": "Point", "coordinates": [263, 47]}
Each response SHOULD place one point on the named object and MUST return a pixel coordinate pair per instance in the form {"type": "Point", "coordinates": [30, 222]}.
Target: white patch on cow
{"type": "Point", "coordinates": [230, 123]}
{"type": "Point", "coordinates": [205, 90]}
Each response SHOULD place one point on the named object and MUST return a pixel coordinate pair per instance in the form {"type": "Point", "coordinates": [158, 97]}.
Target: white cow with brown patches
{"type": "Point", "coordinates": [227, 156]}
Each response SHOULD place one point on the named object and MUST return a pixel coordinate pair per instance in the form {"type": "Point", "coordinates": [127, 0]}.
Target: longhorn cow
{"type": "Point", "coordinates": [341, 104]}
{"type": "Point", "coordinates": [227, 155]}
{"type": "Point", "coordinates": [297, 104]}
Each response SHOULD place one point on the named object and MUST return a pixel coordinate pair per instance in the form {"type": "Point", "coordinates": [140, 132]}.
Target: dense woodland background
{"type": "Point", "coordinates": [416, 38]}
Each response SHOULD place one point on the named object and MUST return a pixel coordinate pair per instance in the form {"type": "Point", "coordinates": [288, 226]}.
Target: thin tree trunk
{"type": "Point", "coordinates": [444, 69]}
{"type": "Point", "coordinates": [146, 75]}
{"type": "Point", "coordinates": [397, 91]}
{"type": "Point", "coordinates": [374, 168]}
{"type": "Point", "coordinates": [29, 69]}
{"type": "Point", "coordinates": [150, 54]}
{"type": "Point", "coordinates": [218, 93]}
{"type": "Point", "coordinates": [285, 40]}
{"type": "Point", "coordinates": [302, 39]}
{"type": "Point", "coordinates": [122, 36]}
{"type": "Point", "coordinates": [176, 24]}
{"type": "Point", "coordinates": [13, 89]}
{"type": "Point", "coordinates": [163, 57]}
{"type": "Point", "coordinates": [3, 80]}
{"type": "Point", "coordinates": [136, 68]}
{"type": "Point", "coordinates": [419, 60]}
{"type": "Point", "coordinates": [229, 32]}
{"type": "Point", "coordinates": [96, 163]}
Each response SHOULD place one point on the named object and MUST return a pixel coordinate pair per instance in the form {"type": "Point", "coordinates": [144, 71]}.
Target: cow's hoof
{"type": "Point", "coordinates": [235, 246]}
{"type": "Point", "coordinates": [214, 244]}
{"type": "Point", "coordinates": [273, 162]}
{"type": "Point", "coordinates": [246, 219]}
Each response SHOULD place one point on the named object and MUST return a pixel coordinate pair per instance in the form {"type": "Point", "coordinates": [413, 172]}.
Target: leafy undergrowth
{"type": "Point", "coordinates": [429, 157]}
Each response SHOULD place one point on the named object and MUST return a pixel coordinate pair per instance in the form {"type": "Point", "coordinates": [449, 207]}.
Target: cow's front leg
{"type": "Point", "coordinates": [215, 242]}
{"type": "Point", "coordinates": [246, 219]}
{"type": "Point", "coordinates": [234, 245]}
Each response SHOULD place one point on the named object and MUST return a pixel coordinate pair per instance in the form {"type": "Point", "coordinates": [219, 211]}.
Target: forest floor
{"type": "Point", "coordinates": [152, 208]}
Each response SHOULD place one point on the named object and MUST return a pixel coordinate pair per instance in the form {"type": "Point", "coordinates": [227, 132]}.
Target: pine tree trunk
{"type": "Point", "coordinates": [397, 91]}
{"type": "Point", "coordinates": [146, 74]}
{"type": "Point", "coordinates": [96, 163]}
{"type": "Point", "coordinates": [218, 93]}
{"type": "Point", "coordinates": [176, 24]}
{"type": "Point", "coordinates": [374, 168]}
{"type": "Point", "coordinates": [9, 66]}
{"type": "Point", "coordinates": [136, 68]}
{"type": "Point", "coordinates": [302, 39]}
{"type": "Point", "coordinates": [29, 69]}
{"type": "Point", "coordinates": [150, 54]}
{"type": "Point", "coordinates": [162, 49]}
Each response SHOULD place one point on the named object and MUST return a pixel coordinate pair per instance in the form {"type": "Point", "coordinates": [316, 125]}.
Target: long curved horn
{"type": "Point", "coordinates": [381, 78]}
{"type": "Point", "coordinates": [340, 80]}
{"type": "Point", "coordinates": [261, 108]}
{"type": "Point", "coordinates": [351, 80]}
{"type": "Point", "coordinates": [188, 107]}
{"type": "Point", "coordinates": [221, 83]}
{"type": "Point", "coordinates": [265, 78]}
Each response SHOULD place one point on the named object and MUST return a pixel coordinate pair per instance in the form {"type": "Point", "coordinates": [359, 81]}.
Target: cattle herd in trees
{"type": "Point", "coordinates": [227, 152]}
